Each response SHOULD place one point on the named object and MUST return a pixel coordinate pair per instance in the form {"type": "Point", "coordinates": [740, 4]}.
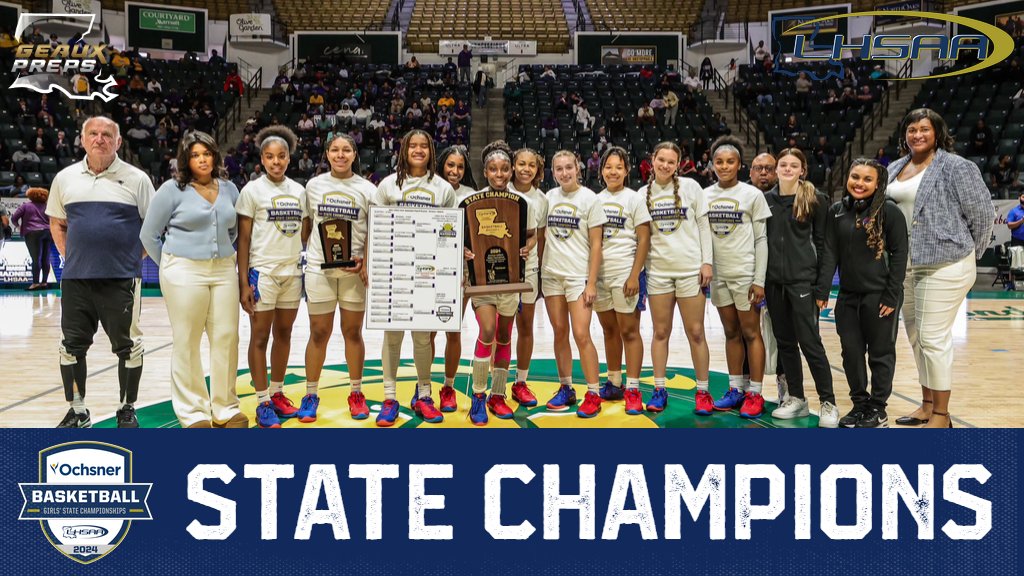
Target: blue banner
{"type": "Point", "coordinates": [604, 501]}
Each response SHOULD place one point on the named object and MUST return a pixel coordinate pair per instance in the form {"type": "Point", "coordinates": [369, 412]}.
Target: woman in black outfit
{"type": "Point", "coordinates": [866, 237]}
{"type": "Point", "coordinates": [796, 236]}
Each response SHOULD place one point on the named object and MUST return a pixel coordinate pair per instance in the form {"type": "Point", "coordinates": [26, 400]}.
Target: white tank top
{"type": "Point", "coordinates": [904, 194]}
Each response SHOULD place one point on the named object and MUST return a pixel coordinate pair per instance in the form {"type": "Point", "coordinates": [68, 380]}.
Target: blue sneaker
{"type": "Point", "coordinates": [610, 391]}
{"type": "Point", "coordinates": [562, 399]}
{"type": "Point", "coordinates": [307, 410]}
{"type": "Point", "coordinates": [658, 401]}
{"type": "Point", "coordinates": [478, 410]}
{"type": "Point", "coordinates": [266, 417]}
{"type": "Point", "coordinates": [732, 399]}
{"type": "Point", "coordinates": [388, 413]}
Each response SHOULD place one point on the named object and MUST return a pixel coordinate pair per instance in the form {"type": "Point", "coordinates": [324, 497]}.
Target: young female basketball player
{"type": "Point", "coordinates": [737, 212]}
{"type": "Point", "coordinates": [453, 165]}
{"type": "Point", "coordinates": [678, 269]}
{"type": "Point", "coordinates": [341, 194]}
{"type": "Point", "coordinates": [528, 173]}
{"type": "Point", "coordinates": [495, 312]}
{"type": "Point", "coordinates": [620, 287]}
{"type": "Point", "coordinates": [796, 243]}
{"type": "Point", "coordinates": [413, 184]}
{"type": "Point", "coordinates": [867, 238]}
{"type": "Point", "coordinates": [270, 213]}
{"type": "Point", "coordinates": [572, 258]}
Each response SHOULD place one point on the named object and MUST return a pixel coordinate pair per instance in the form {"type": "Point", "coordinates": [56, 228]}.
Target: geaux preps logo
{"type": "Point", "coordinates": [44, 67]}
{"type": "Point", "coordinates": [991, 45]}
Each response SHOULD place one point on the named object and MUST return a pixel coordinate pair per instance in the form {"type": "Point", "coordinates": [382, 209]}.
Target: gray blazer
{"type": "Point", "coordinates": [953, 212]}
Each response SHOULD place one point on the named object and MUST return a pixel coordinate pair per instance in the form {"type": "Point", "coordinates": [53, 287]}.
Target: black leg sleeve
{"type": "Point", "coordinates": [78, 323]}
{"type": "Point", "coordinates": [119, 314]}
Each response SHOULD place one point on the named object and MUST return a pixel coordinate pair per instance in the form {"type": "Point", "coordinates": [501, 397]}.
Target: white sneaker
{"type": "Point", "coordinates": [828, 416]}
{"type": "Point", "coordinates": [791, 408]}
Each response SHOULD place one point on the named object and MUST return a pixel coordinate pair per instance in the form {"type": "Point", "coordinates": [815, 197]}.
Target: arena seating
{"type": "Point", "coordinates": [376, 85]}
{"type": "Point", "coordinates": [668, 15]}
{"type": "Point", "coordinates": [542, 20]}
{"type": "Point", "coordinates": [314, 15]}
{"type": "Point", "coordinates": [605, 91]}
{"type": "Point", "coordinates": [218, 9]}
{"type": "Point", "coordinates": [769, 100]}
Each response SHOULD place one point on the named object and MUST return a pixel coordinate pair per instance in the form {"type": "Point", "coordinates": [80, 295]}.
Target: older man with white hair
{"type": "Point", "coordinates": [96, 208]}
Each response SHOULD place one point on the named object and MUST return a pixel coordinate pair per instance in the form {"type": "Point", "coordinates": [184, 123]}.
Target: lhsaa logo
{"type": "Point", "coordinates": [85, 500]}
{"type": "Point", "coordinates": [989, 46]}
{"type": "Point", "coordinates": [71, 67]}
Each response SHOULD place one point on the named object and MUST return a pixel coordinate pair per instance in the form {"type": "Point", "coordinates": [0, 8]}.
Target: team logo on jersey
{"type": "Point", "coordinates": [85, 500]}
{"type": "Point", "coordinates": [666, 216]}
{"type": "Point", "coordinates": [417, 197]}
{"type": "Point", "coordinates": [562, 221]}
{"type": "Point", "coordinates": [724, 215]}
{"type": "Point", "coordinates": [286, 214]}
{"type": "Point", "coordinates": [338, 205]}
{"type": "Point", "coordinates": [616, 220]}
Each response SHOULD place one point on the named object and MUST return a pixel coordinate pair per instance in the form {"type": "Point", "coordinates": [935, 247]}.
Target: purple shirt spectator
{"type": "Point", "coordinates": [31, 217]}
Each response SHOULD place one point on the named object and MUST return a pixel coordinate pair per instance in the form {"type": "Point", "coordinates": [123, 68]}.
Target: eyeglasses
{"type": "Point", "coordinates": [762, 168]}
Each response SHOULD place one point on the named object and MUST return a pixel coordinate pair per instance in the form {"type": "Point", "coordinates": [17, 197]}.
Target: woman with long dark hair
{"type": "Point", "coordinates": [189, 232]}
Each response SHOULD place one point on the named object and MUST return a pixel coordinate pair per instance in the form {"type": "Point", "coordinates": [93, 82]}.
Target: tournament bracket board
{"type": "Point", "coordinates": [415, 265]}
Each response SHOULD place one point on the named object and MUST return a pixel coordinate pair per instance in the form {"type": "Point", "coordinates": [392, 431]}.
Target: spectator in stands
{"type": "Point", "coordinates": [705, 171]}
{"type": "Point", "coordinates": [848, 98]}
{"type": "Point", "coordinates": [658, 102]}
{"type": "Point", "coordinates": [62, 148]}
{"type": "Point", "coordinates": [686, 167]}
{"type": "Point", "coordinates": [147, 120]}
{"type": "Point", "coordinates": [139, 135]}
{"type": "Point", "coordinates": [5, 226]}
{"type": "Point", "coordinates": [671, 106]}
{"type": "Point", "coordinates": [760, 53]}
{"type": "Point", "coordinates": [718, 126]}
{"type": "Point", "coordinates": [412, 64]}
{"type": "Point", "coordinates": [803, 91]}
{"type": "Point", "coordinates": [1003, 178]}
{"type": "Point", "coordinates": [645, 116]}
{"type": "Point", "coordinates": [233, 163]}
{"type": "Point", "coordinates": [882, 158]}
{"type": "Point", "coordinates": [216, 59]}
{"type": "Point", "coordinates": [446, 101]}
{"type": "Point", "coordinates": [450, 70]}
{"type": "Point", "coordinates": [824, 153]}
{"type": "Point", "coordinates": [233, 83]}
{"type": "Point", "coordinates": [593, 165]}
{"type": "Point", "coordinates": [831, 100]}
{"type": "Point", "coordinates": [362, 115]}
{"type": "Point", "coordinates": [547, 74]}
{"type": "Point", "coordinates": [792, 127]}
{"type": "Point", "coordinates": [465, 63]}
{"type": "Point", "coordinates": [764, 95]}
{"type": "Point", "coordinates": [647, 74]}
{"type": "Point", "coordinates": [41, 143]}
{"type": "Point", "coordinates": [707, 73]}
{"type": "Point", "coordinates": [315, 99]}
{"type": "Point", "coordinates": [136, 85]}
{"type": "Point", "coordinates": [257, 172]}
{"type": "Point", "coordinates": [345, 117]}
{"type": "Point", "coordinates": [305, 125]}
{"type": "Point", "coordinates": [306, 164]}
{"type": "Point", "coordinates": [158, 108]}
{"type": "Point", "coordinates": [601, 141]}
{"type": "Point", "coordinates": [350, 100]}
{"type": "Point", "coordinates": [562, 103]}
{"type": "Point", "coordinates": [692, 83]}
{"type": "Point", "coordinates": [981, 139]}
{"type": "Point", "coordinates": [1014, 221]}
{"type": "Point", "coordinates": [730, 72]}
{"type": "Point", "coordinates": [865, 97]}
{"type": "Point", "coordinates": [549, 126]}
{"type": "Point", "coordinates": [36, 37]}
{"type": "Point", "coordinates": [461, 111]}
{"type": "Point", "coordinates": [950, 210]}
{"type": "Point", "coordinates": [79, 84]}
{"type": "Point", "coordinates": [154, 85]}
{"type": "Point", "coordinates": [25, 160]}
{"type": "Point", "coordinates": [18, 189]}
{"type": "Point", "coordinates": [460, 136]}
{"type": "Point", "coordinates": [34, 226]}
{"type": "Point", "coordinates": [617, 126]}
{"type": "Point", "coordinates": [575, 100]}
{"type": "Point", "coordinates": [645, 169]}
{"type": "Point", "coordinates": [584, 119]}
{"type": "Point", "coordinates": [480, 88]}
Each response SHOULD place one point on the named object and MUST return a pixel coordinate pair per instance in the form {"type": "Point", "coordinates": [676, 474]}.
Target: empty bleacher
{"type": "Point", "coordinates": [354, 15]}
{"type": "Point", "coordinates": [540, 20]}
{"type": "Point", "coordinates": [660, 15]}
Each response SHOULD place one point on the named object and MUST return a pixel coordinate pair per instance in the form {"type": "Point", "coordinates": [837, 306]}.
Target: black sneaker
{"type": "Point", "coordinates": [126, 417]}
{"type": "Point", "coordinates": [873, 418]}
{"type": "Point", "coordinates": [75, 420]}
{"type": "Point", "coordinates": [851, 419]}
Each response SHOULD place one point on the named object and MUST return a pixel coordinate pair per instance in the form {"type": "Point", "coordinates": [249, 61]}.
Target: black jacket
{"type": "Point", "coordinates": [846, 246]}
{"type": "Point", "coordinates": [794, 248]}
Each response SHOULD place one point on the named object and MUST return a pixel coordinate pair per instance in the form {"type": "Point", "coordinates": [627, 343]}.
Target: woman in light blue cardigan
{"type": "Point", "coordinates": [189, 232]}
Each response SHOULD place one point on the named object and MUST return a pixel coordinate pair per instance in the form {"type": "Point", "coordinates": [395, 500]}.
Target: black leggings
{"type": "Point", "coordinates": [39, 243]}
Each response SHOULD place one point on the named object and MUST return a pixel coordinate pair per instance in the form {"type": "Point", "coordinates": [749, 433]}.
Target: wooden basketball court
{"type": "Point", "coordinates": [988, 337]}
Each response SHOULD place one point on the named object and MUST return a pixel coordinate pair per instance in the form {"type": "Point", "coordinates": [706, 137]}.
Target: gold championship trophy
{"type": "Point", "coordinates": [336, 241]}
{"type": "Point", "coordinates": [495, 232]}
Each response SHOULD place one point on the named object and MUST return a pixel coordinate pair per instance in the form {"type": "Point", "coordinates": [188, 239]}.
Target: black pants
{"type": "Point", "coordinates": [85, 304]}
{"type": "Point", "coordinates": [38, 244]}
{"type": "Point", "coordinates": [1015, 242]}
{"type": "Point", "coordinates": [795, 325]}
{"type": "Point", "coordinates": [861, 330]}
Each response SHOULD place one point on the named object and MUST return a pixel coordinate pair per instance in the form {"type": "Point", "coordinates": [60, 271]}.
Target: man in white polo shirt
{"type": "Point", "coordinates": [96, 208]}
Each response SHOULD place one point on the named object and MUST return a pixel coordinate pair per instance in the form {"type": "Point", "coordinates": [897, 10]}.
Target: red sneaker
{"type": "Point", "coordinates": [283, 406]}
{"type": "Point", "coordinates": [591, 405]}
{"type": "Point", "coordinates": [753, 406]}
{"type": "Point", "coordinates": [425, 409]}
{"type": "Point", "coordinates": [705, 403]}
{"type": "Point", "coordinates": [634, 401]}
{"type": "Point", "coordinates": [357, 406]}
{"type": "Point", "coordinates": [448, 403]}
{"type": "Point", "coordinates": [497, 406]}
{"type": "Point", "coordinates": [521, 393]}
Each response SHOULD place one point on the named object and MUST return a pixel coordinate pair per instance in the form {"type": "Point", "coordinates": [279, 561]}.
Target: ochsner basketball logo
{"type": "Point", "coordinates": [85, 500]}
{"type": "Point", "coordinates": [44, 68]}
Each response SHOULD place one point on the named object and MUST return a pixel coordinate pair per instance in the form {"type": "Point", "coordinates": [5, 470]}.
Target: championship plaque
{"type": "Point", "coordinates": [336, 241]}
{"type": "Point", "coordinates": [495, 232]}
